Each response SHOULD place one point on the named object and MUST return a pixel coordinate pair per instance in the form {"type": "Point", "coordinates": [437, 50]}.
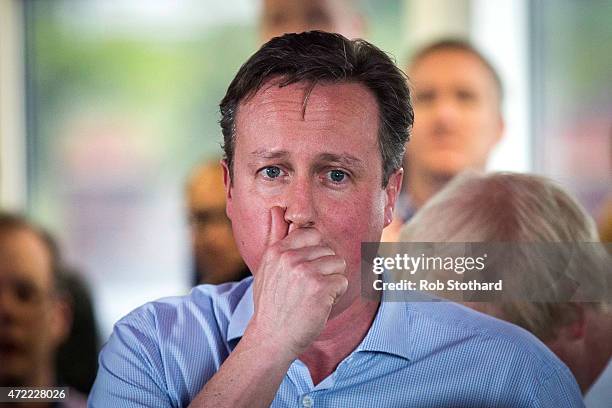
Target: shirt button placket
{"type": "Point", "coordinates": [307, 401]}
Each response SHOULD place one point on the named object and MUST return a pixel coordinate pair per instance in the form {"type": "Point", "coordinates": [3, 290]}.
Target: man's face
{"type": "Point", "coordinates": [295, 16]}
{"type": "Point", "coordinates": [30, 317]}
{"type": "Point", "coordinates": [320, 161]}
{"type": "Point", "coordinates": [213, 243]}
{"type": "Point", "coordinates": [457, 118]}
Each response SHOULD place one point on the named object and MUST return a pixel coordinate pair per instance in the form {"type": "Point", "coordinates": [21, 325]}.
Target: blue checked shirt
{"type": "Point", "coordinates": [417, 354]}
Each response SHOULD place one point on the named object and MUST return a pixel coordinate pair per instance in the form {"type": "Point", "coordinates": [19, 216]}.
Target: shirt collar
{"type": "Point", "coordinates": [241, 316]}
{"type": "Point", "coordinates": [404, 207]}
{"type": "Point", "coordinates": [389, 333]}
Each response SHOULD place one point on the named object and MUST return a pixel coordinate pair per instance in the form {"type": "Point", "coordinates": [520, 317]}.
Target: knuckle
{"type": "Point", "coordinates": [344, 282]}
{"type": "Point", "coordinates": [274, 251]}
{"type": "Point", "coordinates": [340, 283]}
{"type": "Point", "coordinates": [339, 262]}
{"type": "Point", "coordinates": [302, 270]}
{"type": "Point", "coordinates": [322, 252]}
{"type": "Point", "coordinates": [318, 283]}
{"type": "Point", "coordinates": [289, 258]}
{"type": "Point", "coordinates": [327, 251]}
{"type": "Point", "coordinates": [312, 234]}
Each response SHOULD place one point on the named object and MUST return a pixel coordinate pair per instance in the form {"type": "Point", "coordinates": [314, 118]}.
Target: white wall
{"type": "Point", "coordinates": [498, 28]}
{"type": "Point", "coordinates": [12, 107]}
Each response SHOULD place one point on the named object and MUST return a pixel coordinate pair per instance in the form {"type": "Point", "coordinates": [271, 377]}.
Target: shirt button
{"type": "Point", "coordinates": [307, 401]}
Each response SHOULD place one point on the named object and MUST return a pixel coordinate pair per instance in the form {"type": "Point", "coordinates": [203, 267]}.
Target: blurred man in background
{"type": "Point", "coordinates": [458, 121]}
{"type": "Point", "coordinates": [295, 16]}
{"type": "Point", "coordinates": [515, 208]}
{"type": "Point", "coordinates": [216, 257]}
{"type": "Point", "coordinates": [34, 317]}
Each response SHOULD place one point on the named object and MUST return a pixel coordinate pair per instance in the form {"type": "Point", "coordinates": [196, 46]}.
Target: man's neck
{"type": "Point", "coordinates": [421, 186]}
{"type": "Point", "coordinates": [599, 347]}
{"type": "Point", "coordinates": [586, 356]}
{"type": "Point", "coordinates": [340, 337]}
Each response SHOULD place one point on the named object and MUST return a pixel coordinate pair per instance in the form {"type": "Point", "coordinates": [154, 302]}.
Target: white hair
{"type": "Point", "coordinates": [503, 207]}
{"type": "Point", "coordinates": [509, 207]}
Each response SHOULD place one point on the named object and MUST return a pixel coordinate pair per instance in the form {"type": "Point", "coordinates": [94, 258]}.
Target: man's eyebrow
{"type": "Point", "coordinates": [269, 154]}
{"type": "Point", "coordinates": [345, 159]}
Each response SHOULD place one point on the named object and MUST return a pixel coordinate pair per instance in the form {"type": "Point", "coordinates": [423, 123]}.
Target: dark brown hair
{"type": "Point", "coordinates": [320, 57]}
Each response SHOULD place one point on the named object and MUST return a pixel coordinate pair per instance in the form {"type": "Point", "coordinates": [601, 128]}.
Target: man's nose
{"type": "Point", "coordinates": [446, 111]}
{"type": "Point", "coordinates": [299, 201]}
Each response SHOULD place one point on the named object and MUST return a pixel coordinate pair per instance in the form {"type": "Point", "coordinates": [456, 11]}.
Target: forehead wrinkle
{"type": "Point", "coordinates": [281, 114]}
{"type": "Point", "coordinates": [265, 112]}
{"type": "Point", "coordinates": [274, 101]}
{"type": "Point", "coordinates": [270, 154]}
{"type": "Point", "coordinates": [332, 109]}
{"type": "Point", "coordinates": [326, 101]}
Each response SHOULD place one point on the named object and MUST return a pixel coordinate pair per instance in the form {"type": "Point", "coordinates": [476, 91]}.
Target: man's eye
{"type": "Point", "coordinates": [466, 96]}
{"type": "Point", "coordinates": [26, 293]}
{"type": "Point", "coordinates": [425, 97]}
{"type": "Point", "coordinates": [271, 172]}
{"type": "Point", "coordinates": [337, 176]}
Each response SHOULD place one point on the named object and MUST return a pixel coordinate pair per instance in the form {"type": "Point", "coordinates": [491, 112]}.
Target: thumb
{"type": "Point", "coordinates": [278, 225]}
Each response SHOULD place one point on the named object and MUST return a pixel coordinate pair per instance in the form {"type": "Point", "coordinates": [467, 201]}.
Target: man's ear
{"type": "Point", "coordinates": [227, 182]}
{"type": "Point", "coordinates": [576, 329]}
{"type": "Point", "coordinates": [501, 128]}
{"type": "Point", "coordinates": [569, 333]}
{"type": "Point", "coordinates": [392, 190]}
{"type": "Point", "coordinates": [568, 341]}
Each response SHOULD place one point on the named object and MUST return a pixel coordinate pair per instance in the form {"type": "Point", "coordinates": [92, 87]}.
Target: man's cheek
{"type": "Point", "coordinates": [351, 228]}
{"type": "Point", "coordinates": [250, 234]}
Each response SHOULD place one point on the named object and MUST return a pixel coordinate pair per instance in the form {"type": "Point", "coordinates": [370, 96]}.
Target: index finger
{"type": "Point", "coordinates": [278, 227]}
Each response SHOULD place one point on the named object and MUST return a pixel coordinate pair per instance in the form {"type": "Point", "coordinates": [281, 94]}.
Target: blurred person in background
{"type": "Point", "coordinates": [605, 224]}
{"type": "Point", "coordinates": [514, 208]}
{"type": "Point", "coordinates": [77, 357]}
{"type": "Point", "coordinates": [35, 317]}
{"type": "Point", "coordinates": [295, 16]}
{"type": "Point", "coordinates": [458, 122]}
{"type": "Point", "coordinates": [215, 255]}
{"type": "Point", "coordinates": [76, 360]}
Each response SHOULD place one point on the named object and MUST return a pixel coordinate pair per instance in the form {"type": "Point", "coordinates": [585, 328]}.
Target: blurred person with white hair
{"type": "Point", "coordinates": [518, 208]}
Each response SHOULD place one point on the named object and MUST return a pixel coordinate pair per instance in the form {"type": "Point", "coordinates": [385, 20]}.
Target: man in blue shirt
{"type": "Point", "coordinates": [314, 131]}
